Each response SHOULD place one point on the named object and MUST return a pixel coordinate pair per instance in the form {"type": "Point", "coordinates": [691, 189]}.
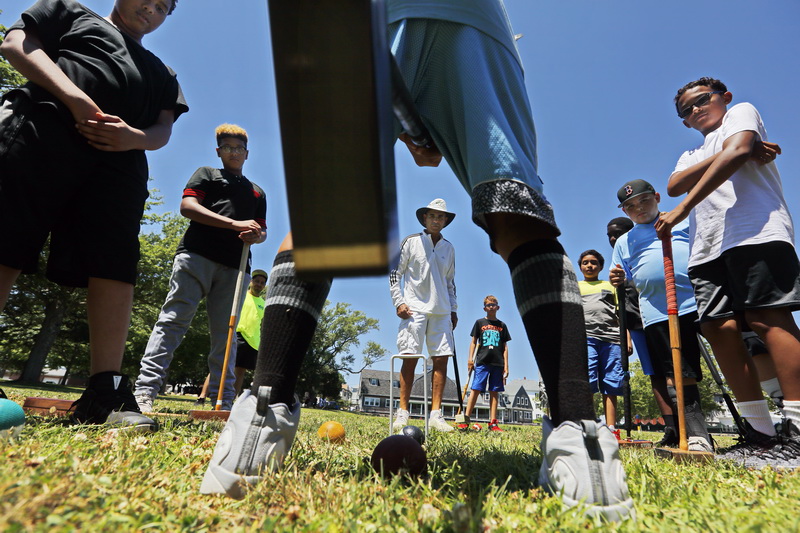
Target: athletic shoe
{"type": "Point", "coordinates": [617, 434]}
{"type": "Point", "coordinates": [400, 420]}
{"type": "Point", "coordinates": [463, 426]}
{"type": "Point", "coordinates": [436, 421]}
{"type": "Point", "coordinates": [581, 464]}
{"type": "Point", "coordinates": [145, 402]}
{"type": "Point", "coordinates": [670, 439]}
{"type": "Point", "coordinates": [493, 426]}
{"type": "Point", "coordinates": [108, 400]}
{"type": "Point", "coordinates": [3, 395]}
{"type": "Point", "coordinates": [699, 444]}
{"type": "Point", "coordinates": [200, 402]}
{"type": "Point", "coordinates": [254, 442]}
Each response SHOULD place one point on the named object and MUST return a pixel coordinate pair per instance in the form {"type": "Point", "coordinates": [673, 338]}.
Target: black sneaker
{"type": "Point", "coordinates": [108, 399]}
{"type": "Point", "coordinates": [753, 443]}
{"type": "Point", "coordinates": [670, 439]}
{"type": "Point", "coordinates": [3, 395]}
{"type": "Point", "coordinates": [200, 402]}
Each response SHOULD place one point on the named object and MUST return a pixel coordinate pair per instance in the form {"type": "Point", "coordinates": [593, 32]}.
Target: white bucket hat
{"type": "Point", "coordinates": [438, 205]}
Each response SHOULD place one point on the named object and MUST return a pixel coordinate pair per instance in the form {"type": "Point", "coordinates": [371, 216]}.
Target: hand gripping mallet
{"type": "Point", "coordinates": [677, 368]}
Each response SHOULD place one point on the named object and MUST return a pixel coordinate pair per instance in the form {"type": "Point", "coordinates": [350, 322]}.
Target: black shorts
{"type": "Point", "coordinates": [660, 347]}
{"type": "Point", "coordinates": [747, 277]}
{"type": "Point", "coordinates": [246, 355]}
{"type": "Point", "coordinates": [88, 201]}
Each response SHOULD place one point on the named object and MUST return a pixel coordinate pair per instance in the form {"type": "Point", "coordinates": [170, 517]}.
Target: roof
{"type": "Point", "coordinates": [382, 389]}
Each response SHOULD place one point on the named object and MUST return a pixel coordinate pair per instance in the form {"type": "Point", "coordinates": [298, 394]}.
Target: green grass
{"type": "Point", "coordinates": [61, 478]}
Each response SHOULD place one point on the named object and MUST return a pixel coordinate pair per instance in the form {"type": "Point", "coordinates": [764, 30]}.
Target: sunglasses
{"type": "Point", "coordinates": [701, 101]}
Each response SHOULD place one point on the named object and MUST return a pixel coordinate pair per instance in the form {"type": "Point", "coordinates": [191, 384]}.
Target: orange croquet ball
{"type": "Point", "coordinates": [331, 431]}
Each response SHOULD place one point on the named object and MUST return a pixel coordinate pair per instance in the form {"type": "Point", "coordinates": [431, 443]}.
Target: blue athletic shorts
{"type": "Point", "coordinates": [470, 92]}
{"type": "Point", "coordinates": [640, 350]}
{"type": "Point", "coordinates": [488, 374]}
{"type": "Point", "coordinates": [605, 367]}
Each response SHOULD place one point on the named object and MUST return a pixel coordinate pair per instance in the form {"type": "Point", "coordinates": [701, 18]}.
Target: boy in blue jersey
{"type": "Point", "coordinates": [638, 256]}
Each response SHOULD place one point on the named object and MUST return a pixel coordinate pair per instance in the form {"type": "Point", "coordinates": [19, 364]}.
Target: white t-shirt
{"type": "Point", "coordinates": [749, 208]}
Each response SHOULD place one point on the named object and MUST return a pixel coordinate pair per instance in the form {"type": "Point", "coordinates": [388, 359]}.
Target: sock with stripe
{"type": "Point", "coordinates": [549, 302]}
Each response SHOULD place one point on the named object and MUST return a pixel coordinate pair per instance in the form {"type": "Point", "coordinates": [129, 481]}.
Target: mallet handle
{"type": "Point", "coordinates": [405, 111]}
{"type": "Point", "coordinates": [623, 343]}
{"type": "Point", "coordinates": [237, 295]}
{"type": "Point", "coordinates": [674, 337]}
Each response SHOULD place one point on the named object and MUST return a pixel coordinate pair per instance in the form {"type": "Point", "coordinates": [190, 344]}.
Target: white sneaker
{"type": "Point", "coordinates": [436, 421]}
{"type": "Point", "coordinates": [254, 442]}
{"type": "Point", "coordinates": [699, 444]}
{"type": "Point", "coordinates": [145, 402]}
{"type": "Point", "coordinates": [581, 464]}
{"type": "Point", "coordinates": [400, 420]}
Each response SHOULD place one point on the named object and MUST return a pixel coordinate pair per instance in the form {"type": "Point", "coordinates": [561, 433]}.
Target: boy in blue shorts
{"type": "Point", "coordinates": [460, 63]}
{"type": "Point", "coordinates": [73, 167]}
{"type": "Point", "coordinates": [488, 355]}
{"type": "Point", "coordinates": [599, 300]}
{"type": "Point", "coordinates": [638, 256]}
{"type": "Point", "coordinates": [742, 264]}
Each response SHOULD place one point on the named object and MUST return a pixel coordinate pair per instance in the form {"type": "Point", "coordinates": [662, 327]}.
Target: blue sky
{"type": "Point", "coordinates": [600, 75]}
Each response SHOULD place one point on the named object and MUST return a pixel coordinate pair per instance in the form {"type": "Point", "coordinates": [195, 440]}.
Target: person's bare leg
{"type": "Point", "coordinates": [108, 305]}
{"type": "Point", "coordinates": [734, 360]}
{"type": "Point", "coordinates": [493, 405]}
{"type": "Point", "coordinates": [660, 393]}
{"type": "Point", "coordinates": [407, 381]}
{"type": "Point", "coordinates": [610, 409]}
{"type": "Point", "coordinates": [204, 390]}
{"type": "Point", "coordinates": [237, 385]}
{"type": "Point", "coordinates": [473, 399]}
{"type": "Point", "coordinates": [8, 276]}
{"type": "Point", "coordinates": [439, 380]}
{"type": "Point", "coordinates": [780, 333]}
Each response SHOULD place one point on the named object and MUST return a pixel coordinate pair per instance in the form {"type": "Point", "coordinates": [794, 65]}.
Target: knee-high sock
{"type": "Point", "coordinates": [291, 313]}
{"type": "Point", "coordinates": [549, 301]}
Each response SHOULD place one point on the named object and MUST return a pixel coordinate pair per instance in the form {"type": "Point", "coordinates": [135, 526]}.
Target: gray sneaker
{"type": "Point", "coordinates": [581, 464]}
{"type": "Point", "coordinates": [400, 420]}
{"type": "Point", "coordinates": [144, 401]}
{"type": "Point", "coordinates": [254, 441]}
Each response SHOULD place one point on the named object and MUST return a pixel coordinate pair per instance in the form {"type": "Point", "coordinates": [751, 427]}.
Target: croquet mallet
{"type": "Point", "coordinates": [683, 453]}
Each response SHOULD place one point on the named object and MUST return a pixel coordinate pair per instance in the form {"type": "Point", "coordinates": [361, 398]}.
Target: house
{"type": "Point", "coordinates": [374, 394]}
{"type": "Point", "coordinates": [535, 392]}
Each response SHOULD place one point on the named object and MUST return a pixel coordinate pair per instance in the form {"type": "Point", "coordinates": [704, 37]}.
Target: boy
{"type": "Point", "coordinates": [474, 76]}
{"type": "Point", "coordinates": [488, 353]}
{"type": "Point", "coordinates": [602, 331]}
{"type": "Point", "coordinates": [226, 210]}
{"type": "Point", "coordinates": [742, 264]}
{"type": "Point", "coordinates": [638, 256]}
{"type": "Point", "coordinates": [248, 332]}
{"type": "Point", "coordinates": [73, 167]}
{"type": "Point", "coordinates": [426, 307]}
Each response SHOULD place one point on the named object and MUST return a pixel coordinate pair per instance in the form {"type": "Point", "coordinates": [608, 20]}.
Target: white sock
{"type": "Point", "coordinates": [791, 410]}
{"type": "Point", "coordinates": [772, 388]}
{"type": "Point", "coordinates": [757, 414]}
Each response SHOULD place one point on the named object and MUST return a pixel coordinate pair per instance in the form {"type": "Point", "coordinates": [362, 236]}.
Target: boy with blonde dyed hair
{"type": "Point", "coordinates": [226, 210]}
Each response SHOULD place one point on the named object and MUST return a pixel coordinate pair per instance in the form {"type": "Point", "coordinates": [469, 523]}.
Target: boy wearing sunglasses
{"type": "Point", "coordinates": [226, 210]}
{"type": "Point", "coordinates": [742, 262]}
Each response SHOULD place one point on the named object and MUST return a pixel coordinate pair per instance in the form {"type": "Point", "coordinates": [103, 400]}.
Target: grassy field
{"type": "Point", "coordinates": [62, 478]}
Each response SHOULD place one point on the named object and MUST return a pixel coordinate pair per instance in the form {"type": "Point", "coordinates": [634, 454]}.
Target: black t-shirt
{"type": "Point", "coordinates": [228, 195]}
{"type": "Point", "coordinates": [492, 336]}
{"type": "Point", "coordinates": [121, 76]}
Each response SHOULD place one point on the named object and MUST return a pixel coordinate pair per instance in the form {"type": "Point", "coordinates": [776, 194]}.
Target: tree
{"type": "Point", "coordinates": [338, 332]}
{"type": "Point", "coordinates": [643, 402]}
{"type": "Point", "coordinates": [9, 77]}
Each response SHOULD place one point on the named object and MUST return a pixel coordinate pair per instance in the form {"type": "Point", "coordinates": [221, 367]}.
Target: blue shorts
{"type": "Point", "coordinates": [493, 375]}
{"type": "Point", "coordinates": [470, 92]}
{"type": "Point", "coordinates": [605, 367]}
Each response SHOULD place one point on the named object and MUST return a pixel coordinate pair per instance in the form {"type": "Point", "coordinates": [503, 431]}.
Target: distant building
{"type": "Point", "coordinates": [536, 397]}
{"type": "Point", "coordinates": [374, 394]}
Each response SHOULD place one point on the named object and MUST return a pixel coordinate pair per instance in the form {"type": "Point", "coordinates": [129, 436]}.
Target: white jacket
{"type": "Point", "coordinates": [428, 274]}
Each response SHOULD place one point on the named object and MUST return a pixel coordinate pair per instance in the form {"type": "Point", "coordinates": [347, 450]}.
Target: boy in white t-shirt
{"type": "Point", "coordinates": [742, 262]}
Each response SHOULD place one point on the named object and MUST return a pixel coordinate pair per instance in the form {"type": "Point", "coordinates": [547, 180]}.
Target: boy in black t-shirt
{"type": "Point", "coordinates": [488, 354]}
{"type": "Point", "coordinates": [226, 210]}
{"type": "Point", "coordinates": [73, 168]}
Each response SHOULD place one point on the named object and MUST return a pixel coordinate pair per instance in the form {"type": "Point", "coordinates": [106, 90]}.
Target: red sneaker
{"type": "Point", "coordinates": [493, 426]}
{"type": "Point", "coordinates": [617, 434]}
{"type": "Point", "coordinates": [462, 426]}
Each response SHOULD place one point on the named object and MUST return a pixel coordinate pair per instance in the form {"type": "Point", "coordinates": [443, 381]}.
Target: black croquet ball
{"type": "Point", "coordinates": [401, 455]}
{"type": "Point", "coordinates": [415, 433]}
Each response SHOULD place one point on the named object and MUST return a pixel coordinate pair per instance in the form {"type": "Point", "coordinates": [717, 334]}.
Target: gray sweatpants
{"type": "Point", "coordinates": [193, 278]}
